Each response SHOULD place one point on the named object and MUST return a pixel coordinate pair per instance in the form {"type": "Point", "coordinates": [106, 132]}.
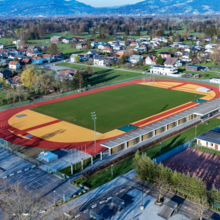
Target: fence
{"type": "Point", "coordinates": [175, 151]}
{"type": "Point", "coordinates": [6, 147]}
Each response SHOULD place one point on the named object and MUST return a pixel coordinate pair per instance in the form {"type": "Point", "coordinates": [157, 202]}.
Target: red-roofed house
{"type": "Point", "coordinates": [14, 81]}
{"type": "Point", "coordinates": [120, 53]}
{"type": "Point", "coordinates": [37, 60]}
{"type": "Point", "coordinates": [25, 61]}
{"type": "Point", "coordinates": [47, 57]}
{"type": "Point", "coordinates": [66, 75]}
{"type": "Point", "coordinates": [14, 65]}
{"type": "Point", "coordinates": [151, 60]}
{"type": "Point", "coordinates": [108, 50]}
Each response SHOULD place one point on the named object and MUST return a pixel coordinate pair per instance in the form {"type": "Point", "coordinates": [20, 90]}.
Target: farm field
{"type": "Point", "coordinates": [116, 107]}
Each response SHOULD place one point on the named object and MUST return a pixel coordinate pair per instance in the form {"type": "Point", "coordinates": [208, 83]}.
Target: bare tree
{"type": "Point", "coordinates": [200, 209]}
{"type": "Point", "coordinates": [20, 203]}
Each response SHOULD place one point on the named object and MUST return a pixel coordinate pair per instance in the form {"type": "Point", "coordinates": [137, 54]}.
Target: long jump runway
{"type": "Point", "coordinates": [56, 139]}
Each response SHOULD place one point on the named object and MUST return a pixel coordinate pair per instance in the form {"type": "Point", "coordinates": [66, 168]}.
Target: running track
{"type": "Point", "coordinates": [41, 143]}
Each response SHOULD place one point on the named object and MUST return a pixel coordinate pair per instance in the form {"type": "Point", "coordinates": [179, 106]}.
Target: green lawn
{"type": "Point", "coordinates": [208, 150]}
{"type": "Point", "coordinates": [116, 107]}
{"type": "Point", "coordinates": [103, 75]}
{"type": "Point", "coordinates": [125, 166]}
{"type": "Point", "coordinates": [6, 40]}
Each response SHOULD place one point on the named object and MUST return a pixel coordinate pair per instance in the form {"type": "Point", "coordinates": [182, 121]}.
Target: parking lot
{"type": "Point", "coordinates": [10, 164]}
{"type": "Point", "coordinates": [34, 179]}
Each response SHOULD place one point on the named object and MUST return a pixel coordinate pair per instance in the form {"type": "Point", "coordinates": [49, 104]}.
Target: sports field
{"type": "Point", "coordinates": [116, 107]}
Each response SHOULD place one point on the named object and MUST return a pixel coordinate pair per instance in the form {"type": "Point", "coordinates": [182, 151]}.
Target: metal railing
{"type": "Point", "coordinates": [5, 146]}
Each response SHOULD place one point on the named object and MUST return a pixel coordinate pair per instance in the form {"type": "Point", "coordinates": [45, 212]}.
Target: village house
{"type": "Point", "coordinates": [92, 53]}
{"type": "Point", "coordinates": [163, 70]}
{"type": "Point", "coordinates": [72, 58]}
{"type": "Point", "coordinates": [47, 58]}
{"type": "Point", "coordinates": [151, 60]}
{"type": "Point", "coordinates": [164, 55]}
{"type": "Point", "coordinates": [25, 61]}
{"type": "Point", "coordinates": [65, 75]}
{"type": "Point", "coordinates": [5, 74]}
{"type": "Point", "coordinates": [107, 50]}
{"type": "Point", "coordinates": [56, 39]}
{"type": "Point", "coordinates": [172, 62]}
{"type": "Point", "coordinates": [14, 81]}
{"type": "Point", "coordinates": [120, 53]}
{"type": "Point", "coordinates": [100, 61]}
{"type": "Point", "coordinates": [81, 46]}
{"type": "Point", "coordinates": [37, 60]}
{"type": "Point", "coordinates": [14, 65]}
{"type": "Point", "coordinates": [135, 58]}
{"type": "Point", "coordinates": [67, 40]}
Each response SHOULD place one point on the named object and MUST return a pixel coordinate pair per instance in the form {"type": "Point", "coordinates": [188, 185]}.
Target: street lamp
{"type": "Point", "coordinates": [195, 131]}
{"type": "Point", "coordinates": [54, 196]}
{"type": "Point", "coordinates": [112, 171]}
{"type": "Point", "coordinates": [160, 148]}
{"type": "Point", "coordinates": [93, 114]}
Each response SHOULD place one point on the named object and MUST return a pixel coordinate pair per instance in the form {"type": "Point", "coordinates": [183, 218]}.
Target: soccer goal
{"type": "Point", "coordinates": [148, 80]}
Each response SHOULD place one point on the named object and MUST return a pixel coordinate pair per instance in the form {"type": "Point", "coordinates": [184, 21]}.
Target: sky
{"type": "Point", "coordinates": [107, 3]}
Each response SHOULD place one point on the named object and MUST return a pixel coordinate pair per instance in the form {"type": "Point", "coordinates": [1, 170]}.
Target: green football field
{"type": "Point", "coordinates": [116, 107]}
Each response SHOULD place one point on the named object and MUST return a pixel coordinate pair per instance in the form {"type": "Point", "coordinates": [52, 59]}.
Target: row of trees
{"type": "Point", "coordinates": [165, 178]}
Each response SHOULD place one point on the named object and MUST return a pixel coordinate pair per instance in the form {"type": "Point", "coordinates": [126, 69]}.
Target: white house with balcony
{"type": "Point", "coordinates": [163, 70]}
{"type": "Point", "coordinates": [100, 61]}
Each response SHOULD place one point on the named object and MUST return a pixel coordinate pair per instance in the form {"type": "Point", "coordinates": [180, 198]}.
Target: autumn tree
{"type": "Point", "coordinates": [27, 77]}
{"type": "Point", "coordinates": [53, 49]}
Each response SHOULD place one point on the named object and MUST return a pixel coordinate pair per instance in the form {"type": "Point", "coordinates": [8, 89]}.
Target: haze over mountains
{"type": "Point", "coordinates": [73, 7]}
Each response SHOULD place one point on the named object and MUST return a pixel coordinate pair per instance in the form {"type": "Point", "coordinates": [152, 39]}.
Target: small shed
{"type": "Point", "coordinates": [47, 157]}
{"type": "Point", "coordinates": [194, 68]}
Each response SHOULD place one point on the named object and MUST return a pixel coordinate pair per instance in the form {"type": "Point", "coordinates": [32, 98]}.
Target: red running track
{"type": "Point", "coordinates": [41, 143]}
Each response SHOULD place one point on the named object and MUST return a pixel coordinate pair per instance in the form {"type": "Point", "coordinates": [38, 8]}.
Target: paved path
{"type": "Point", "coordinates": [72, 156]}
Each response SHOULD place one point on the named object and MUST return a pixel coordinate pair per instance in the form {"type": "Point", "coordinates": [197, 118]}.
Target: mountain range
{"type": "Point", "coordinates": [74, 8]}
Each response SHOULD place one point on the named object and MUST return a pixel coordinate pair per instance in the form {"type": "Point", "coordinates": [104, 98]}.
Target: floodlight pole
{"type": "Point", "coordinates": [112, 171]}
{"type": "Point", "coordinates": [93, 114]}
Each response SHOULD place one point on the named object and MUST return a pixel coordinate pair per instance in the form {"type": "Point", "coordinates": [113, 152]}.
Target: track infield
{"type": "Point", "coordinates": [27, 127]}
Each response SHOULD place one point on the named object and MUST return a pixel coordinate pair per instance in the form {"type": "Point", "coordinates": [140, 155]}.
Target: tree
{"type": "Point", "coordinates": [77, 58]}
{"type": "Point", "coordinates": [78, 80]}
{"type": "Point", "coordinates": [215, 55]}
{"type": "Point", "coordinates": [15, 59]}
{"type": "Point", "coordinates": [89, 44]}
{"type": "Point", "coordinates": [53, 49]}
{"type": "Point", "coordinates": [138, 33]}
{"type": "Point", "coordinates": [1, 100]}
{"type": "Point", "coordinates": [123, 59]}
{"type": "Point", "coordinates": [190, 55]}
{"type": "Point", "coordinates": [140, 62]}
{"type": "Point", "coordinates": [89, 70]}
{"type": "Point", "coordinates": [16, 200]}
{"type": "Point", "coordinates": [46, 81]}
{"type": "Point", "coordinates": [159, 60]}
{"type": "Point", "coordinates": [27, 77]}
{"type": "Point", "coordinates": [126, 32]}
